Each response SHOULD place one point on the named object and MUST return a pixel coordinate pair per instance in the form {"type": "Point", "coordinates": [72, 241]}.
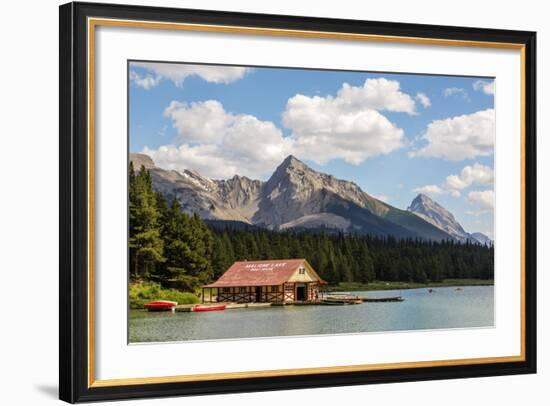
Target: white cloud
{"type": "Point", "coordinates": [461, 137]}
{"type": "Point", "coordinates": [470, 175]}
{"type": "Point", "coordinates": [423, 99]}
{"type": "Point", "coordinates": [177, 73]}
{"type": "Point", "coordinates": [349, 125]}
{"type": "Point", "coordinates": [323, 131]}
{"type": "Point", "coordinates": [144, 81]}
{"type": "Point", "coordinates": [433, 190]}
{"type": "Point", "coordinates": [475, 174]}
{"type": "Point", "coordinates": [485, 199]}
{"type": "Point", "coordinates": [487, 87]}
{"type": "Point", "coordinates": [451, 91]}
{"type": "Point", "coordinates": [201, 122]}
{"type": "Point", "coordinates": [377, 94]}
{"type": "Point", "coordinates": [384, 198]}
{"type": "Point", "coordinates": [220, 144]}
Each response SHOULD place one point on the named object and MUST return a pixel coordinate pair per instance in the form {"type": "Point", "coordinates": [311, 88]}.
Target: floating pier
{"type": "Point", "coordinates": [336, 302]}
{"type": "Point", "coordinates": [327, 299]}
{"type": "Point", "coordinates": [184, 308]}
{"type": "Point", "coordinates": [383, 299]}
{"type": "Point", "coordinates": [247, 305]}
{"type": "Point", "coordinates": [349, 298]}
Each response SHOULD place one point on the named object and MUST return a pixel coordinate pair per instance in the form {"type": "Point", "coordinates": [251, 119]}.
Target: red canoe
{"type": "Point", "coordinates": [160, 305]}
{"type": "Point", "coordinates": [199, 308]}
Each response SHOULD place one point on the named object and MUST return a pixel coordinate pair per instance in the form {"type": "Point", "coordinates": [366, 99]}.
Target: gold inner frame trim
{"type": "Point", "coordinates": [94, 22]}
{"type": "Point", "coordinates": [301, 371]}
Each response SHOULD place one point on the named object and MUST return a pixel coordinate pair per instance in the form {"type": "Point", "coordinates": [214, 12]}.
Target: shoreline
{"type": "Point", "coordinates": [382, 285]}
{"type": "Point", "coordinates": [136, 303]}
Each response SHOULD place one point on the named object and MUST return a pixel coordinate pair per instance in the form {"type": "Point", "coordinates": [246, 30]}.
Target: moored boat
{"type": "Point", "coordinates": [208, 308]}
{"type": "Point", "coordinates": [160, 305]}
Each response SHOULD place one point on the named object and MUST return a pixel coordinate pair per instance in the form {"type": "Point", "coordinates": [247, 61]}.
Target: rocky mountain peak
{"type": "Point", "coordinates": [199, 180]}
{"type": "Point", "coordinates": [139, 160]}
{"type": "Point", "coordinates": [422, 200]}
{"type": "Point", "coordinates": [290, 166]}
{"type": "Point", "coordinates": [242, 183]}
{"type": "Point", "coordinates": [292, 162]}
{"type": "Point", "coordinates": [431, 211]}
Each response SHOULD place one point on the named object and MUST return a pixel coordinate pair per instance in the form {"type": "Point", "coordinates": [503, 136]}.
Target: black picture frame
{"type": "Point", "coordinates": [74, 383]}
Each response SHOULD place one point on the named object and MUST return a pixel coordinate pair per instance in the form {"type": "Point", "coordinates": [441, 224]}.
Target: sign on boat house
{"type": "Point", "coordinates": [284, 280]}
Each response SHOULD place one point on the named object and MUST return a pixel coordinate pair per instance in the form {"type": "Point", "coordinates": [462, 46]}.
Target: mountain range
{"type": "Point", "coordinates": [299, 198]}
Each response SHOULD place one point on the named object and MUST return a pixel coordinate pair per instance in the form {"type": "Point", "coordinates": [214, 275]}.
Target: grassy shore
{"type": "Point", "coordinates": [382, 285]}
{"type": "Point", "coordinates": [143, 292]}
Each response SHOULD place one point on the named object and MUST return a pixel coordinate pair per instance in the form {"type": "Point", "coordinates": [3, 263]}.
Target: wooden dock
{"type": "Point", "coordinates": [337, 298]}
{"type": "Point", "coordinates": [349, 298]}
{"type": "Point", "coordinates": [247, 305]}
{"type": "Point", "coordinates": [184, 308]}
{"type": "Point", "coordinates": [335, 302]}
{"type": "Point", "coordinates": [383, 299]}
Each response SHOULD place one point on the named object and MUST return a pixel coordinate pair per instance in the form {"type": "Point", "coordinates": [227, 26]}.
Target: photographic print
{"type": "Point", "coordinates": [272, 202]}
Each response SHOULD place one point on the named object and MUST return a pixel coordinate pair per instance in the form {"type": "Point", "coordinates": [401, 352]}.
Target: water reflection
{"type": "Point", "coordinates": [443, 308]}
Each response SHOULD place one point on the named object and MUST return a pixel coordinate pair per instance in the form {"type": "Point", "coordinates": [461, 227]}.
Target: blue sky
{"type": "Point", "coordinates": [395, 135]}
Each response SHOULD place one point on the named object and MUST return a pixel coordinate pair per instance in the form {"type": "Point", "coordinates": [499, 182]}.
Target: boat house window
{"type": "Point", "coordinates": [242, 289]}
{"type": "Point", "coordinates": [225, 290]}
{"type": "Point", "coordinates": [274, 288]}
{"type": "Point", "coordinates": [302, 271]}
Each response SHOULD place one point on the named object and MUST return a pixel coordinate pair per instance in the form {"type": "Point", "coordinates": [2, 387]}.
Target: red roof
{"type": "Point", "coordinates": [258, 273]}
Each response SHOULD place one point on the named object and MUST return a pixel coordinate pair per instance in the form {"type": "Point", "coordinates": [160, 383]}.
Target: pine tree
{"type": "Point", "coordinates": [188, 249]}
{"type": "Point", "coordinates": [145, 244]}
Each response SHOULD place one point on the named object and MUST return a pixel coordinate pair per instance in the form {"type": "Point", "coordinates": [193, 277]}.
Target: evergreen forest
{"type": "Point", "coordinates": [181, 251]}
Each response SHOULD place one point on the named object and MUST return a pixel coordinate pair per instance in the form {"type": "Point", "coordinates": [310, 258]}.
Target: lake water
{"type": "Point", "coordinates": [443, 308]}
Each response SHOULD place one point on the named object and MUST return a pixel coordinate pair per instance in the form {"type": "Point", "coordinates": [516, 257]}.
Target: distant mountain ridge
{"type": "Point", "coordinates": [295, 197]}
{"type": "Point", "coordinates": [437, 215]}
{"type": "Point", "coordinates": [431, 211]}
{"type": "Point", "coordinates": [482, 239]}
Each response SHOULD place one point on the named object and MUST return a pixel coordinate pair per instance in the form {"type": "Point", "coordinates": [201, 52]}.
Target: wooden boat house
{"type": "Point", "coordinates": [283, 280]}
